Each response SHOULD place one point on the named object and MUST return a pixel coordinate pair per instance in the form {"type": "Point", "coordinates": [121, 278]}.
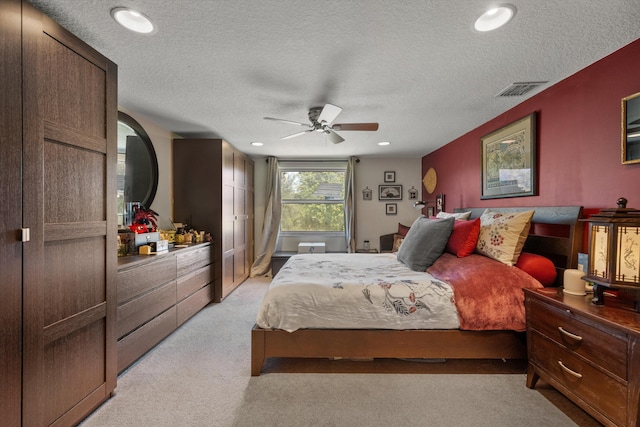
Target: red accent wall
{"type": "Point", "coordinates": [579, 143]}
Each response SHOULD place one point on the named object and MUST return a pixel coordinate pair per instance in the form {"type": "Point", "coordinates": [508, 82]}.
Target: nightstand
{"type": "Point", "coordinates": [278, 259]}
{"type": "Point", "coordinates": [589, 353]}
{"type": "Point", "coordinates": [367, 251]}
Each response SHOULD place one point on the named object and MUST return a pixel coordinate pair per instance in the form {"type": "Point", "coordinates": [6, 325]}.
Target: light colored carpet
{"type": "Point", "coordinates": [200, 376]}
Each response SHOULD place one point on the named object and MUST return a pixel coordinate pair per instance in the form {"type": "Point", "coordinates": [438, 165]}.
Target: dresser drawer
{"type": "Point", "coordinates": [605, 348]}
{"type": "Point", "coordinates": [133, 282]}
{"type": "Point", "coordinates": [193, 259]}
{"type": "Point", "coordinates": [138, 311]}
{"type": "Point", "coordinates": [189, 283]}
{"type": "Point", "coordinates": [590, 387]}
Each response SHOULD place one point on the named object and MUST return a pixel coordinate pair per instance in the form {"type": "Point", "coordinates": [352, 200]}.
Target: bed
{"type": "Point", "coordinates": [555, 233]}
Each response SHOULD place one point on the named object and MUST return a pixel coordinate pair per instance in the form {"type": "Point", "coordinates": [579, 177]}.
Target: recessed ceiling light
{"type": "Point", "coordinates": [133, 20]}
{"type": "Point", "coordinates": [257, 144]}
{"type": "Point", "coordinates": [495, 18]}
{"type": "Point", "coordinates": [384, 143]}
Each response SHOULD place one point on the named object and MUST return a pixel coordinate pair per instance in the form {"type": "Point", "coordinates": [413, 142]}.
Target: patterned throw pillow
{"type": "Point", "coordinates": [397, 241]}
{"type": "Point", "coordinates": [460, 215]}
{"type": "Point", "coordinates": [502, 234]}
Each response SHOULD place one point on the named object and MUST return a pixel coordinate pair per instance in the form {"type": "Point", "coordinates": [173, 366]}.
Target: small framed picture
{"type": "Point", "coordinates": [389, 192]}
{"type": "Point", "coordinates": [367, 194]}
{"type": "Point", "coordinates": [439, 203]}
{"type": "Point", "coordinates": [413, 193]}
{"type": "Point", "coordinates": [391, 208]}
{"type": "Point", "coordinates": [430, 212]}
{"type": "Point", "coordinates": [390, 176]}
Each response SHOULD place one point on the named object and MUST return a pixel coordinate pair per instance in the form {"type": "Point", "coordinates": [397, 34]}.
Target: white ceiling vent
{"type": "Point", "coordinates": [519, 89]}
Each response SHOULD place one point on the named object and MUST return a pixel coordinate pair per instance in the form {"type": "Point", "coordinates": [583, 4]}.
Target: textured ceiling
{"type": "Point", "coordinates": [216, 68]}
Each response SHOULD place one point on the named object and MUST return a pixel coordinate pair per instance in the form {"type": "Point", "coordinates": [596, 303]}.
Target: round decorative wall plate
{"type": "Point", "coordinates": [430, 180]}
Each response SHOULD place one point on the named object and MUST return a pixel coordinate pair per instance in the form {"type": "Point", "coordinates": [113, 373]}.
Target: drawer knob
{"type": "Point", "coordinates": [569, 371]}
{"type": "Point", "coordinates": [569, 334]}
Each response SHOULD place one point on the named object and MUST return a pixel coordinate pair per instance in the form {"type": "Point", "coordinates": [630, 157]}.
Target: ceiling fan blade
{"type": "Point", "coordinates": [355, 126]}
{"type": "Point", "coordinates": [329, 113]}
{"type": "Point", "coordinates": [334, 137]}
{"type": "Point", "coordinates": [297, 134]}
{"type": "Point", "coordinates": [288, 121]}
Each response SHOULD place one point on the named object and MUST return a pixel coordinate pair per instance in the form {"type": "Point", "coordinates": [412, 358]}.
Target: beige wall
{"type": "Point", "coordinates": [371, 218]}
{"type": "Point", "coordinates": [161, 139]}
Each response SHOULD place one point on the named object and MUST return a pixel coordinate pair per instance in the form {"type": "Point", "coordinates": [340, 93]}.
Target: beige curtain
{"type": "Point", "coordinates": [349, 205]}
{"type": "Point", "coordinates": [271, 225]}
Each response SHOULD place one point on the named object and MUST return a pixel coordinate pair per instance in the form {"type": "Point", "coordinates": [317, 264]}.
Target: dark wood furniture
{"type": "Point", "coordinates": [560, 237]}
{"type": "Point", "coordinates": [57, 182]}
{"type": "Point", "coordinates": [11, 213]}
{"type": "Point", "coordinates": [278, 259]}
{"type": "Point", "coordinates": [386, 242]}
{"type": "Point", "coordinates": [213, 191]}
{"type": "Point", "coordinates": [589, 353]}
{"type": "Point", "coordinates": [157, 294]}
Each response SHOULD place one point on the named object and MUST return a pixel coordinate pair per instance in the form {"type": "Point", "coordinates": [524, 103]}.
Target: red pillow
{"type": "Point", "coordinates": [403, 230]}
{"type": "Point", "coordinates": [539, 267]}
{"type": "Point", "coordinates": [464, 237]}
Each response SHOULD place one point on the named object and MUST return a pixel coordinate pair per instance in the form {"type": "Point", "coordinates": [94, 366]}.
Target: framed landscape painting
{"type": "Point", "coordinates": [509, 160]}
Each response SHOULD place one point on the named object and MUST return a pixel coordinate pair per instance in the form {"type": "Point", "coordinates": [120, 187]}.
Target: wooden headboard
{"type": "Point", "coordinates": [556, 233]}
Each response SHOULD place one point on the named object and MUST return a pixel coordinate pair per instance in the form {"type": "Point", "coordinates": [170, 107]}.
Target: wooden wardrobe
{"type": "Point", "coordinates": [58, 226]}
{"type": "Point", "coordinates": [213, 190]}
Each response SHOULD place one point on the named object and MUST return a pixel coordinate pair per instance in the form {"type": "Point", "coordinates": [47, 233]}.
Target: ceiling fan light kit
{"type": "Point", "coordinates": [321, 119]}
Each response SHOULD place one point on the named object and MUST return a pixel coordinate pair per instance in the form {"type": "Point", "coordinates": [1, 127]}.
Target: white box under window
{"type": "Point", "coordinates": [309, 248]}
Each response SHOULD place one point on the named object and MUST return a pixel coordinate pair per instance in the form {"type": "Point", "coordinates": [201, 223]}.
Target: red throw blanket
{"type": "Point", "coordinates": [488, 293]}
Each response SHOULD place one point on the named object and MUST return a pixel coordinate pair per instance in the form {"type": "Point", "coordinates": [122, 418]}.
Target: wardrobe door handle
{"type": "Point", "coordinates": [569, 334]}
{"type": "Point", "coordinates": [569, 371]}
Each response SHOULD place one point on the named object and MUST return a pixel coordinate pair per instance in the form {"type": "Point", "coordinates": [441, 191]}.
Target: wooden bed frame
{"type": "Point", "coordinates": [555, 233]}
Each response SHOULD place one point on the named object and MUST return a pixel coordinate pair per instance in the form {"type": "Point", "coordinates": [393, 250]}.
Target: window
{"type": "Point", "coordinates": [312, 197]}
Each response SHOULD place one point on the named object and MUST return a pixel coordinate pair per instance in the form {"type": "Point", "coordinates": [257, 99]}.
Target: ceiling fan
{"type": "Point", "coordinates": [321, 119]}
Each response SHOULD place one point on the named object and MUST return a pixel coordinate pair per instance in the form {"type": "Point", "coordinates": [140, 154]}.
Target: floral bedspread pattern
{"type": "Point", "coordinates": [355, 291]}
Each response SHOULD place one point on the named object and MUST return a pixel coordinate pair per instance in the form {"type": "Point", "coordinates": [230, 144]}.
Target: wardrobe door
{"type": "Point", "coordinates": [228, 221]}
{"type": "Point", "coordinates": [10, 213]}
{"type": "Point", "coordinates": [240, 271]}
{"type": "Point", "coordinates": [70, 120]}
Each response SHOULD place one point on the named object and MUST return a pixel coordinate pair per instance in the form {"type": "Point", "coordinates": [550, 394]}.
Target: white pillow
{"type": "Point", "coordinates": [502, 235]}
{"type": "Point", "coordinates": [461, 215]}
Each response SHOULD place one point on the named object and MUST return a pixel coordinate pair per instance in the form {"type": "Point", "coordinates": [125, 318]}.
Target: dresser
{"type": "Point", "coordinates": [589, 353]}
{"type": "Point", "coordinates": [157, 294]}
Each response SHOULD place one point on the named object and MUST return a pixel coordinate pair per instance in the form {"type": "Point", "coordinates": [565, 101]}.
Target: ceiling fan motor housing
{"type": "Point", "coordinates": [314, 113]}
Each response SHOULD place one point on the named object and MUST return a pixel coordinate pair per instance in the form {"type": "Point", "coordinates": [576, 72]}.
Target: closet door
{"type": "Point", "coordinates": [70, 119]}
{"type": "Point", "coordinates": [240, 271]}
{"type": "Point", "coordinates": [10, 213]}
{"type": "Point", "coordinates": [228, 220]}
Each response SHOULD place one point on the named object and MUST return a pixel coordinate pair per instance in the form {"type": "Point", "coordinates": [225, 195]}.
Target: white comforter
{"type": "Point", "coordinates": [355, 291]}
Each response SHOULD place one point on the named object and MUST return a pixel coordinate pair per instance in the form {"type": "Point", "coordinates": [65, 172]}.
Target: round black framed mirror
{"type": "Point", "coordinates": [137, 167]}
